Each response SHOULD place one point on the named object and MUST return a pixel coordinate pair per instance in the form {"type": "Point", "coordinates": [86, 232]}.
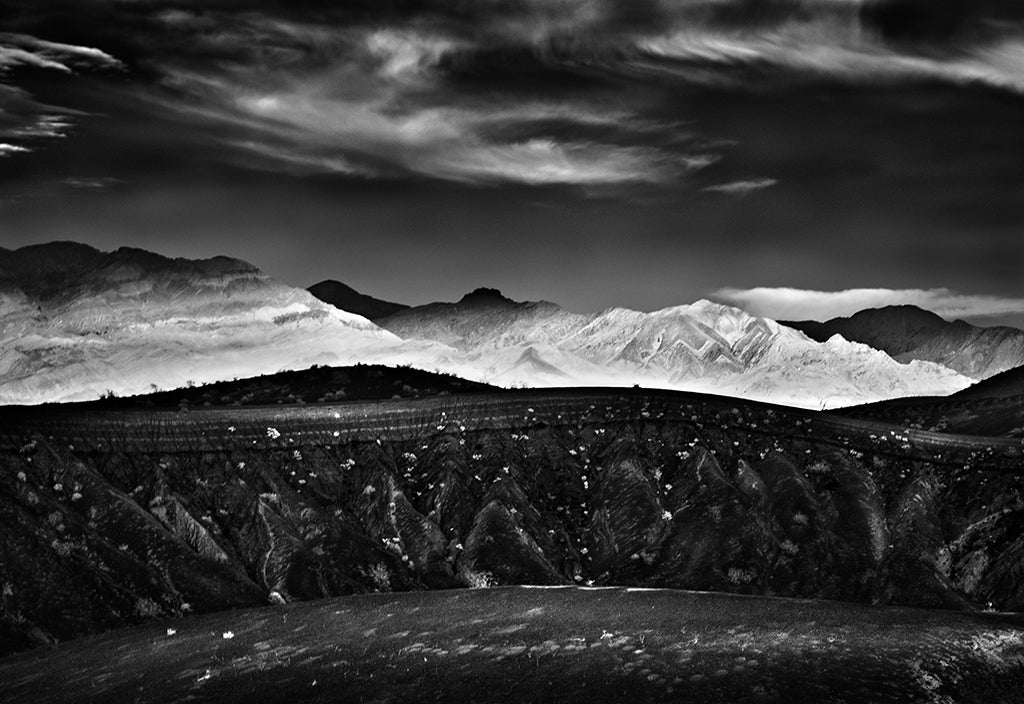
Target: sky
{"type": "Point", "coordinates": [800, 158]}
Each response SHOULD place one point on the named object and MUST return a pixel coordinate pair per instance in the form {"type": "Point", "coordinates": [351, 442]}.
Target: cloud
{"type": "Point", "coordinates": [23, 49]}
{"type": "Point", "coordinates": [536, 92]}
{"type": "Point", "coordinates": [376, 102]}
{"type": "Point", "coordinates": [339, 93]}
{"type": "Point", "coordinates": [801, 304]}
{"type": "Point", "coordinates": [89, 182]}
{"type": "Point", "coordinates": [823, 48]}
{"type": "Point", "coordinates": [742, 188]}
{"type": "Point", "coordinates": [8, 149]}
{"type": "Point", "coordinates": [22, 116]}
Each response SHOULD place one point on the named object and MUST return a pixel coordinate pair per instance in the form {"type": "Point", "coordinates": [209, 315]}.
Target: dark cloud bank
{"type": "Point", "coordinates": [596, 152]}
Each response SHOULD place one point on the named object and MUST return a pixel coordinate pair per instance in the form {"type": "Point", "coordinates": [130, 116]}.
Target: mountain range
{"type": "Point", "coordinates": [703, 346]}
{"type": "Point", "coordinates": [910, 333]}
{"type": "Point", "coordinates": [77, 323]}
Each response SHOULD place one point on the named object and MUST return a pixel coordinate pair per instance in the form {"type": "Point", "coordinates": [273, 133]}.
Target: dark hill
{"type": "Point", "coordinates": [1002, 385]}
{"type": "Point", "coordinates": [348, 299]}
{"type": "Point", "coordinates": [994, 407]}
{"type": "Point", "coordinates": [318, 384]}
{"type": "Point", "coordinates": [485, 297]}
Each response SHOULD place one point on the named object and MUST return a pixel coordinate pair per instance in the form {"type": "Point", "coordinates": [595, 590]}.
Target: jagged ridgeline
{"type": "Point", "coordinates": [114, 516]}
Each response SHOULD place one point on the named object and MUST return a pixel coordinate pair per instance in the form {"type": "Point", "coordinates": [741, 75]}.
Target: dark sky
{"type": "Point", "coordinates": [642, 153]}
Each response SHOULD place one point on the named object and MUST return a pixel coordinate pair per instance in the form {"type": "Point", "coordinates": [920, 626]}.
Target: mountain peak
{"type": "Point", "coordinates": [905, 313]}
{"type": "Point", "coordinates": [344, 297]}
{"type": "Point", "coordinates": [486, 296]}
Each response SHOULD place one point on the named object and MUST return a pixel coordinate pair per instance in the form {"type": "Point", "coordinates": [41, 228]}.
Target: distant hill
{"type": "Point", "coordinates": [348, 299]}
{"type": "Point", "coordinates": [910, 333]}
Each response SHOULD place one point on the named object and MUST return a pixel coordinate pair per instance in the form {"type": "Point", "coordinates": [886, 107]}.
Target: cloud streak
{"type": "Point", "coordinates": [376, 102]}
{"type": "Point", "coordinates": [800, 304]}
{"type": "Point", "coordinates": [824, 51]}
{"type": "Point", "coordinates": [743, 187]}
{"type": "Point", "coordinates": [23, 118]}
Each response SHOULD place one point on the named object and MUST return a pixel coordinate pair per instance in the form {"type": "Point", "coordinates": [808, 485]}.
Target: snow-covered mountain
{"type": "Point", "coordinates": [76, 323]}
{"type": "Point", "coordinates": [704, 346]}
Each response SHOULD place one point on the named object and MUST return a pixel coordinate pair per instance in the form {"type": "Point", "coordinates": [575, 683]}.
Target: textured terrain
{"type": "Point", "coordinates": [590, 646]}
{"type": "Point", "coordinates": [115, 517]}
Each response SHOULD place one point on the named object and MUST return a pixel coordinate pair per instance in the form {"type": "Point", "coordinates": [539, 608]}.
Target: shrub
{"type": "Point", "coordinates": [477, 580]}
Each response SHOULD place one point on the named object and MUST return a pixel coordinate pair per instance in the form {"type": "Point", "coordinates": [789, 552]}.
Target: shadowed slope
{"type": "Point", "coordinates": [347, 298]}
{"type": "Point", "coordinates": [585, 486]}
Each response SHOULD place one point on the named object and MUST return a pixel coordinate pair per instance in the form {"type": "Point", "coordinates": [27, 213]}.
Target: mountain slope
{"type": "Point", "coordinates": [1008, 384]}
{"type": "Point", "coordinates": [910, 333]}
{"type": "Point", "coordinates": [348, 299]}
{"type": "Point", "coordinates": [76, 323]}
{"type": "Point", "coordinates": [700, 347]}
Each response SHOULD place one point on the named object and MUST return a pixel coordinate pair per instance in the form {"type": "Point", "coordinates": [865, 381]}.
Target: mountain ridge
{"type": "Point", "coordinates": [702, 346]}
{"type": "Point", "coordinates": [908, 333]}
{"type": "Point", "coordinates": [344, 297]}
{"type": "Point", "coordinates": [131, 321]}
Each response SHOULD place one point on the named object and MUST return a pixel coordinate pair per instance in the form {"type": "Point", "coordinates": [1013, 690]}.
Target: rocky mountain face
{"type": "Point", "coordinates": [76, 323]}
{"type": "Point", "coordinates": [118, 517]}
{"type": "Point", "coordinates": [348, 299]}
{"type": "Point", "coordinates": [702, 347]}
{"type": "Point", "coordinates": [909, 333]}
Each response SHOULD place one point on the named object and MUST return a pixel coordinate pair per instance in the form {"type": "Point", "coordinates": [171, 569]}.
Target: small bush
{"type": "Point", "coordinates": [477, 580]}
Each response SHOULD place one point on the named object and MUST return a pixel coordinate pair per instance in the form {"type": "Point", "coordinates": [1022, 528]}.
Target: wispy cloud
{"type": "Point", "coordinates": [376, 102]}
{"type": "Point", "coordinates": [384, 97]}
{"type": "Point", "coordinates": [801, 304]}
{"type": "Point", "coordinates": [91, 183]}
{"type": "Point", "coordinates": [742, 188]}
{"type": "Point", "coordinates": [8, 149]}
{"type": "Point", "coordinates": [23, 49]}
{"type": "Point", "coordinates": [824, 48]}
{"type": "Point", "coordinates": [534, 92]}
{"type": "Point", "coordinates": [24, 118]}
